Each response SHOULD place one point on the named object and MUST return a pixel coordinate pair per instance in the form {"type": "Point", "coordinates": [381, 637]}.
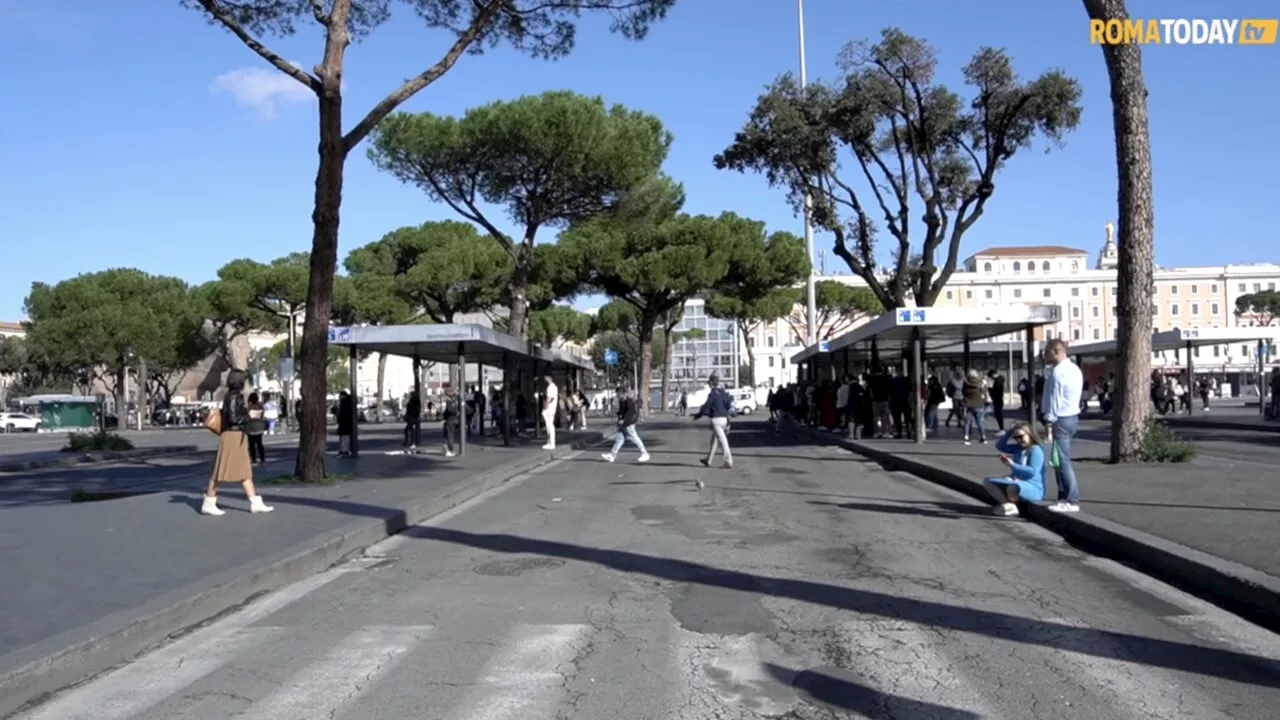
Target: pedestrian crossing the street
{"type": "Point", "coordinates": [873, 668]}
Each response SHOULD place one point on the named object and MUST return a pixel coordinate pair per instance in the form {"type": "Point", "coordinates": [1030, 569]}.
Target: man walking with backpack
{"type": "Point", "coordinates": [718, 407]}
{"type": "Point", "coordinates": [628, 416]}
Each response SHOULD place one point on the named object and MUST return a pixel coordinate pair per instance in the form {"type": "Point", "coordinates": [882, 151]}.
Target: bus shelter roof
{"type": "Point", "coordinates": [1179, 338]}
{"type": "Point", "coordinates": [938, 327]}
{"type": "Point", "coordinates": [444, 343]}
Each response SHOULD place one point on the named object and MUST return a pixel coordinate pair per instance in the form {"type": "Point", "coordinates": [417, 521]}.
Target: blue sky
{"type": "Point", "coordinates": [122, 147]}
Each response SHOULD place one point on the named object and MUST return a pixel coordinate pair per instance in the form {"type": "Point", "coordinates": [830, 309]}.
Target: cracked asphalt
{"type": "Point", "coordinates": [804, 584]}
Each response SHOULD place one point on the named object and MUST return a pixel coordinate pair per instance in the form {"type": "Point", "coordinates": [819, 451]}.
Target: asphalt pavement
{"type": "Point", "coordinates": [805, 583]}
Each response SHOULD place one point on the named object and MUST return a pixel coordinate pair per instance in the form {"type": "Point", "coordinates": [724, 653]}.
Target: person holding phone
{"type": "Point", "coordinates": [1021, 452]}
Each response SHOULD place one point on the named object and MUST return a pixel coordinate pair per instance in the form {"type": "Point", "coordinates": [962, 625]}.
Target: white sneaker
{"type": "Point", "coordinates": [1009, 509]}
{"type": "Point", "coordinates": [448, 453]}
{"type": "Point", "coordinates": [609, 457]}
{"type": "Point", "coordinates": [210, 507]}
{"type": "Point", "coordinates": [548, 447]}
{"type": "Point", "coordinates": [257, 506]}
{"type": "Point", "coordinates": [1064, 507]}
{"type": "Point", "coordinates": [643, 458]}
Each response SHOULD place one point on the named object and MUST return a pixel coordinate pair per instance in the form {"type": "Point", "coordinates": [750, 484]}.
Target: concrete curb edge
{"type": "Point", "coordinates": [1240, 589]}
{"type": "Point", "coordinates": [90, 458]}
{"type": "Point", "coordinates": [35, 680]}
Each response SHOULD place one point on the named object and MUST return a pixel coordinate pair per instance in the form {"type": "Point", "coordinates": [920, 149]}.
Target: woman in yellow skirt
{"type": "Point", "coordinates": [232, 463]}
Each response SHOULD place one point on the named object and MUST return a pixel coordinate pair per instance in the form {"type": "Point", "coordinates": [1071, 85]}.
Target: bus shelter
{"type": "Point", "coordinates": [458, 345]}
{"type": "Point", "coordinates": [916, 331]}
{"type": "Point", "coordinates": [1189, 339]}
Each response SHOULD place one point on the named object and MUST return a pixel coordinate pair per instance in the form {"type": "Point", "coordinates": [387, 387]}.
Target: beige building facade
{"type": "Point", "coordinates": [1086, 289]}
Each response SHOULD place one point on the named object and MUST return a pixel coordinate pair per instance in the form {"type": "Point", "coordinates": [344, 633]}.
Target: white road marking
{"type": "Point", "coordinates": [149, 681]}
{"type": "Point", "coordinates": [344, 674]}
{"type": "Point", "coordinates": [526, 678]}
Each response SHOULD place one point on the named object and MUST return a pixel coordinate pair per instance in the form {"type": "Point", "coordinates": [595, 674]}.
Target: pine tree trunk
{"type": "Point", "coordinates": [144, 417]}
{"type": "Point", "coordinates": [382, 385]}
{"type": "Point", "coordinates": [1136, 236]}
{"type": "Point", "coordinates": [324, 258]}
{"type": "Point", "coordinates": [751, 353]}
{"type": "Point", "coordinates": [646, 363]}
{"type": "Point", "coordinates": [666, 368]}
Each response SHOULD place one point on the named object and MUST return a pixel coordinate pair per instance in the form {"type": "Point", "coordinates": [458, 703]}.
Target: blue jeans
{"type": "Point", "coordinates": [627, 433]}
{"type": "Point", "coordinates": [975, 417]}
{"type": "Point", "coordinates": [1064, 429]}
{"type": "Point", "coordinates": [931, 417]}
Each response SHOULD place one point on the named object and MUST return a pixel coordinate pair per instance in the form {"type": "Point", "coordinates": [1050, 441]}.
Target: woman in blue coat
{"type": "Point", "coordinates": [1021, 451]}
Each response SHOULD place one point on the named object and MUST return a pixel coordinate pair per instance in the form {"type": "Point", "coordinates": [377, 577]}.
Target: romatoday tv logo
{"type": "Point", "coordinates": [1183, 31]}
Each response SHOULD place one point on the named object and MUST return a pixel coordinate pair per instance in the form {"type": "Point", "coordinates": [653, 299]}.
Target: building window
{"type": "Point", "coordinates": [1114, 333]}
{"type": "Point", "coordinates": [1195, 351]}
{"type": "Point", "coordinates": [1113, 291]}
{"type": "Point", "coordinates": [1213, 309]}
{"type": "Point", "coordinates": [1113, 311]}
{"type": "Point", "coordinates": [986, 267]}
{"type": "Point", "coordinates": [1195, 289]}
{"type": "Point", "coordinates": [1257, 287]}
{"type": "Point", "coordinates": [1216, 351]}
{"type": "Point", "coordinates": [1031, 267]}
{"type": "Point", "coordinates": [1096, 333]}
{"type": "Point", "coordinates": [1195, 308]}
{"type": "Point", "coordinates": [1093, 291]}
{"type": "Point", "coordinates": [751, 342]}
{"type": "Point", "coordinates": [1048, 292]}
{"type": "Point", "coordinates": [1096, 311]}
{"type": "Point", "coordinates": [1045, 266]}
{"type": "Point", "coordinates": [949, 296]}
{"type": "Point", "coordinates": [1075, 333]}
{"type": "Point", "coordinates": [1240, 287]}
{"type": "Point", "coordinates": [1075, 311]}
{"type": "Point", "coordinates": [1017, 267]}
{"type": "Point", "coordinates": [1155, 309]}
{"type": "Point", "coordinates": [1173, 309]}
{"type": "Point", "coordinates": [1213, 288]}
{"type": "Point", "coordinates": [1075, 292]}
{"type": "Point", "coordinates": [1017, 292]}
{"type": "Point", "coordinates": [769, 341]}
{"type": "Point", "coordinates": [1075, 266]}
{"type": "Point", "coordinates": [771, 359]}
{"type": "Point", "coordinates": [1173, 289]}
{"type": "Point", "coordinates": [988, 294]}
{"type": "Point", "coordinates": [968, 294]}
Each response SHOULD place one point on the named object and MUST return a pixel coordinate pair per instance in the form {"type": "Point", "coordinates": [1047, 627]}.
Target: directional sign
{"type": "Point", "coordinates": [911, 316]}
{"type": "Point", "coordinates": [610, 357]}
{"type": "Point", "coordinates": [339, 334]}
{"type": "Point", "coordinates": [285, 369]}
{"type": "Point", "coordinates": [824, 346]}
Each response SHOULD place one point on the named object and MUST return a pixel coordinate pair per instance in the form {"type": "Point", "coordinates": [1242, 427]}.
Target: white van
{"type": "Point", "coordinates": [744, 400]}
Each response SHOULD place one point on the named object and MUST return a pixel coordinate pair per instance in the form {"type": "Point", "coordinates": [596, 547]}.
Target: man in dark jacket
{"type": "Point", "coordinates": [718, 407]}
{"type": "Point", "coordinates": [628, 416]}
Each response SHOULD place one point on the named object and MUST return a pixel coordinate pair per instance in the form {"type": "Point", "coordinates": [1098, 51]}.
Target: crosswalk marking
{"type": "Point", "coordinates": [526, 680]}
{"type": "Point", "coordinates": [323, 688]}
{"type": "Point", "coordinates": [147, 682]}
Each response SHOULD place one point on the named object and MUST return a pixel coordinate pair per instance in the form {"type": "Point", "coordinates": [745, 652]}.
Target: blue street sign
{"type": "Point", "coordinates": [610, 357]}
{"type": "Point", "coordinates": [824, 346]}
{"type": "Point", "coordinates": [339, 334]}
{"type": "Point", "coordinates": [911, 316]}
{"type": "Point", "coordinates": [904, 316]}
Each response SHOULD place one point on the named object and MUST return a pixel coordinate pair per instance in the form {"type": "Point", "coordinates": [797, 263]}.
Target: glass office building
{"type": "Point", "coordinates": [696, 359]}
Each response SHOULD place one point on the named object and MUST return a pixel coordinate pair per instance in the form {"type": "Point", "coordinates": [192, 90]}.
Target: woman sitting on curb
{"type": "Point", "coordinates": [1019, 449]}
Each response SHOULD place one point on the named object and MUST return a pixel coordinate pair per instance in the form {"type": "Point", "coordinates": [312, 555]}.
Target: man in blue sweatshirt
{"type": "Point", "coordinates": [718, 407]}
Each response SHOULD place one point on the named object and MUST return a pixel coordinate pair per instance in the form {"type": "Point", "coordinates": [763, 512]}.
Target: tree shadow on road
{"type": "Point", "coordinates": [836, 688]}
{"type": "Point", "coordinates": [944, 510]}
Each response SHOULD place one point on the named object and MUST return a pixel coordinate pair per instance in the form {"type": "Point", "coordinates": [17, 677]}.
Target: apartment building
{"type": "Point", "coordinates": [1191, 297]}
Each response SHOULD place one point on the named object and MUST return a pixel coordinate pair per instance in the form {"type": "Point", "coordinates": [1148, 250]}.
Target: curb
{"type": "Point", "coordinates": [89, 458]}
{"type": "Point", "coordinates": [55, 668]}
{"type": "Point", "coordinates": [1224, 425]}
{"type": "Point", "coordinates": [1249, 593]}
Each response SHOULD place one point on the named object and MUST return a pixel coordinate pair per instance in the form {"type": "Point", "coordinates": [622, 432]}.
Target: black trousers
{"type": "Point", "coordinates": [997, 409]}
{"type": "Point", "coordinates": [257, 451]}
{"type": "Point", "coordinates": [412, 432]}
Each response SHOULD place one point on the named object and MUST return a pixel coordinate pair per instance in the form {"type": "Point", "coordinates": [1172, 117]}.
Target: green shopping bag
{"type": "Point", "coordinates": [1055, 459]}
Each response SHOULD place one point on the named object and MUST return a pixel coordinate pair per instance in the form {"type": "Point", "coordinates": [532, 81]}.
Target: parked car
{"type": "Point", "coordinates": [19, 422]}
{"type": "Point", "coordinates": [744, 400]}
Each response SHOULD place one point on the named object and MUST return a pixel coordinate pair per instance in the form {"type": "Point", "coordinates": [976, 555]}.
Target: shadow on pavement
{"type": "Point", "coordinates": [1214, 662]}
{"type": "Point", "coordinates": [945, 510]}
{"type": "Point", "coordinates": [826, 686]}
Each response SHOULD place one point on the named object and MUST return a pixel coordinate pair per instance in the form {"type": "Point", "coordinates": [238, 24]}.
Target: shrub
{"type": "Point", "coordinates": [100, 441]}
{"type": "Point", "coordinates": [1162, 445]}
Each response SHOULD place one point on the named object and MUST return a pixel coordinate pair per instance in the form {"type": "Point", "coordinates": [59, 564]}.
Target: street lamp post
{"type": "Point", "coordinates": [811, 290]}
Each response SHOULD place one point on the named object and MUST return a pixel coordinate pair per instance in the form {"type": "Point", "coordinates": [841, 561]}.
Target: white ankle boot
{"type": "Point", "coordinates": [257, 506]}
{"type": "Point", "coordinates": [210, 507]}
